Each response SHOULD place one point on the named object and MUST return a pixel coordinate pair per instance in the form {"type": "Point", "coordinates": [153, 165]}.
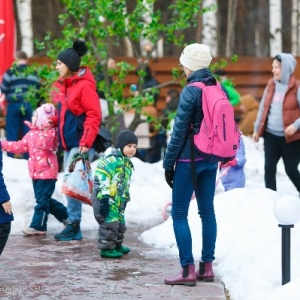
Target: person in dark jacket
{"type": "Point", "coordinates": [111, 64]}
{"type": "Point", "coordinates": [17, 84]}
{"type": "Point", "coordinates": [153, 154]}
{"type": "Point", "coordinates": [178, 165]}
{"type": "Point", "coordinates": [6, 215]}
{"type": "Point", "coordinates": [148, 82]}
{"type": "Point", "coordinates": [78, 121]}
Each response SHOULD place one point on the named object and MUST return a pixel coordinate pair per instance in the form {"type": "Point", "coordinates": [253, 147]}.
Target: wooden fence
{"type": "Point", "coordinates": [249, 74]}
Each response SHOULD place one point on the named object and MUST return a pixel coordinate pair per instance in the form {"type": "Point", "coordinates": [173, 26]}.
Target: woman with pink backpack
{"type": "Point", "coordinates": [186, 170]}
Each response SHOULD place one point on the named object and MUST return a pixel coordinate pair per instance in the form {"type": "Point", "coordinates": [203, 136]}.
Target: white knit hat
{"type": "Point", "coordinates": [195, 57]}
{"type": "Point", "coordinates": [44, 112]}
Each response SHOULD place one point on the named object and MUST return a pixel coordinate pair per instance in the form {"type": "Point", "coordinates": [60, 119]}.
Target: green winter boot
{"type": "Point", "coordinates": [123, 249]}
{"type": "Point", "coordinates": [110, 253]}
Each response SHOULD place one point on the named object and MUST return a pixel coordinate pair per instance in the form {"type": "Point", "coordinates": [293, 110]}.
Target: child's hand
{"type": "Point", "coordinates": [7, 207]}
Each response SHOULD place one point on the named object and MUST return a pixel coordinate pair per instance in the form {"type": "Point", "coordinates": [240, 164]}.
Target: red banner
{"type": "Point", "coordinates": [7, 35]}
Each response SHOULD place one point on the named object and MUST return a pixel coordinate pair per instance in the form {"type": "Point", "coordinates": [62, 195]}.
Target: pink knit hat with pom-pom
{"type": "Point", "coordinates": [44, 112]}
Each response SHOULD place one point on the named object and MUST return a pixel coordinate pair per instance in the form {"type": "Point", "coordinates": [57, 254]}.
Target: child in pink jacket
{"type": "Point", "coordinates": [41, 143]}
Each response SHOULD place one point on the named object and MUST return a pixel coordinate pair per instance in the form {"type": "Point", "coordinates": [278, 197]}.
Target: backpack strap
{"type": "Point", "coordinates": [199, 85]}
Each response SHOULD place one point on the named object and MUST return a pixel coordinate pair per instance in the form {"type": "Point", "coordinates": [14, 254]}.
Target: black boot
{"type": "Point", "coordinates": [70, 232]}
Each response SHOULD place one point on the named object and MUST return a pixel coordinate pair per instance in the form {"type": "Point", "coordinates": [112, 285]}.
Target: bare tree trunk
{"type": "Point", "coordinates": [275, 27]}
{"type": "Point", "coordinates": [25, 18]}
{"type": "Point", "coordinates": [222, 22]}
{"type": "Point", "coordinates": [168, 48]}
{"type": "Point", "coordinates": [286, 26]}
{"type": "Point", "coordinates": [262, 33]}
{"type": "Point", "coordinates": [209, 32]}
{"type": "Point", "coordinates": [199, 27]}
{"type": "Point", "coordinates": [295, 34]}
{"type": "Point", "coordinates": [231, 18]}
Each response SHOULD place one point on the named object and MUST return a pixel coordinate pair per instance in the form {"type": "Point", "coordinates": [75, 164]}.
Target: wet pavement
{"type": "Point", "coordinates": [42, 268]}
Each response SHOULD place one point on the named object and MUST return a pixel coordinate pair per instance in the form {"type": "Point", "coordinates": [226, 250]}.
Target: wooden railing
{"type": "Point", "coordinates": [249, 74]}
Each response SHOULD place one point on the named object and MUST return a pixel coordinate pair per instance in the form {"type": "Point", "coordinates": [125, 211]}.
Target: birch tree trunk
{"type": "Point", "coordinates": [209, 26]}
{"type": "Point", "coordinates": [275, 27]}
{"type": "Point", "coordinates": [25, 21]}
{"type": "Point", "coordinates": [296, 28]}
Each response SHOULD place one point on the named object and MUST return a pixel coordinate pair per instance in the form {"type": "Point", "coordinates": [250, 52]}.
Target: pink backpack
{"type": "Point", "coordinates": [219, 135]}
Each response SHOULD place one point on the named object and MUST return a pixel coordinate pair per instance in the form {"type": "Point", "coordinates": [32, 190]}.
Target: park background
{"type": "Point", "coordinates": [254, 31]}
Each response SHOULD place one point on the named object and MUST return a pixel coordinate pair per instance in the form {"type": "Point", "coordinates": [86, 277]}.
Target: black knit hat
{"type": "Point", "coordinates": [125, 137]}
{"type": "Point", "coordinates": [71, 57]}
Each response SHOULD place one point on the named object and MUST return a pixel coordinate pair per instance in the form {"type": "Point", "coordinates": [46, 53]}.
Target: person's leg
{"type": "Point", "coordinates": [43, 189]}
{"type": "Point", "coordinates": [291, 160]}
{"type": "Point", "coordinates": [4, 233]}
{"type": "Point", "coordinates": [12, 123]}
{"type": "Point", "coordinates": [205, 201]}
{"type": "Point", "coordinates": [108, 232]}
{"type": "Point", "coordinates": [58, 210]}
{"type": "Point", "coordinates": [272, 156]}
{"type": "Point", "coordinates": [181, 197]}
{"type": "Point", "coordinates": [121, 231]}
{"type": "Point", "coordinates": [74, 207]}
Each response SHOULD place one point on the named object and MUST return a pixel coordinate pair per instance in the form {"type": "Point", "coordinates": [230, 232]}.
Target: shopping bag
{"type": "Point", "coordinates": [77, 183]}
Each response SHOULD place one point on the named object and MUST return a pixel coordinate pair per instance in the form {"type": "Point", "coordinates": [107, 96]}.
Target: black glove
{"type": "Point", "coordinates": [104, 207]}
{"type": "Point", "coordinates": [169, 177]}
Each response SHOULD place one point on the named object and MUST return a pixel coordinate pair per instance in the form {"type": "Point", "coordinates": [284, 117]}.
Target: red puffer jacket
{"type": "Point", "coordinates": [79, 112]}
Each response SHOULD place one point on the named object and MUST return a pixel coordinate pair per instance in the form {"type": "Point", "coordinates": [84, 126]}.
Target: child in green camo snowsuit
{"type": "Point", "coordinates": [111, 194]}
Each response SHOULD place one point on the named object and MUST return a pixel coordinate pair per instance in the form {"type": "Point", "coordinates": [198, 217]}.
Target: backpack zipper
{"type": "Point", "coordinates": [224, 131]}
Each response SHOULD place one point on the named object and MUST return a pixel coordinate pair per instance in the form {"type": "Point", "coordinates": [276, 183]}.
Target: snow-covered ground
{"type": "Point", "coordinates": [248, 250]}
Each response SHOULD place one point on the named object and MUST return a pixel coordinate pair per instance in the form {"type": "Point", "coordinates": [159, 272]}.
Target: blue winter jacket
{"type": "Point", "coordinates": [189, 114]}
{"type": "Point", "coordinates": [4, 196]}
{"type": "Point", "coordinates": [234, 176]}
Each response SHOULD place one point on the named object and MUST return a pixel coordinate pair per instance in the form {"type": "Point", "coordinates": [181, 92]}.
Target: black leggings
{"type": "Point", "coordinates": [275, 148]}
{"type": "Point", "coordinates": [4, 233]}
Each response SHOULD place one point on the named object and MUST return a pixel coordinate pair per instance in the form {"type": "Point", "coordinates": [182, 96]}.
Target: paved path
{"type": "Point", "coordinates": [42, 268]}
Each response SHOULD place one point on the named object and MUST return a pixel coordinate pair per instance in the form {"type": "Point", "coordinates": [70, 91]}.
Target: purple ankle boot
{"type": "Point", "coordinates": [187, 276]}
{"type": "Point", "coordinates": [205, 272]}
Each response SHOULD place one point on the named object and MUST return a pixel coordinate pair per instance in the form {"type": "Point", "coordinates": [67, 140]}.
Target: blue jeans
{"type": "Point", "coordinates": [45, 204]}
{"type": "Point", "coordinates": [205, 173]}
{"type": "Point", "coordinates": [74, 207]}
{"type": "Point", "coordinates": [17, 113]}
